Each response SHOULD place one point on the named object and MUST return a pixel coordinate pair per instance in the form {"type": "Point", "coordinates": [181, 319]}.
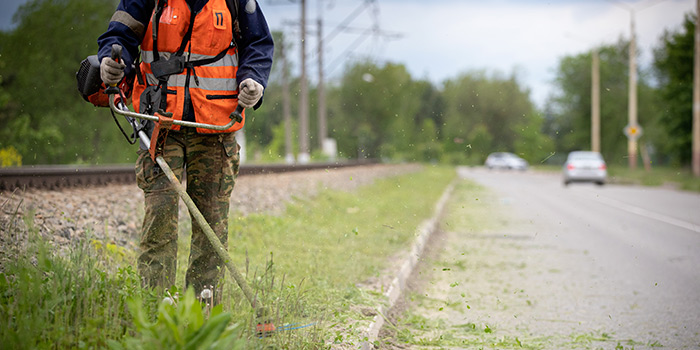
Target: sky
{"type": "Point", "coordinates": [441, 39]}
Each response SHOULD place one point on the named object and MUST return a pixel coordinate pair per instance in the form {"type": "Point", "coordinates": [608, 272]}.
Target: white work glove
{"type": "Point", "coordinates": [249, 93]}
{"type": "Point", "coordinates": [111, 71]}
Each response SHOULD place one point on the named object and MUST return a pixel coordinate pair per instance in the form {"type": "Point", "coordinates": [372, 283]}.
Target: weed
{"type": "Point", "coordinates": [49, 301]}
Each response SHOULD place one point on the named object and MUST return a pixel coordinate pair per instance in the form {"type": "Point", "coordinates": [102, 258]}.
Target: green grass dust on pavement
{"type": "Point", "coordinates": [472, 292]}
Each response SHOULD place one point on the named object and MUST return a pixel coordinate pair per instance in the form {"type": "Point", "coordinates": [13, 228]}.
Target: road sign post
{"type": "Point", "coordinates": [633, 132]}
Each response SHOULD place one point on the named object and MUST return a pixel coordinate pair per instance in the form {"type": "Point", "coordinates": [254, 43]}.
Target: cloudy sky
{"type": "Point", "coordinates": [439, 39]}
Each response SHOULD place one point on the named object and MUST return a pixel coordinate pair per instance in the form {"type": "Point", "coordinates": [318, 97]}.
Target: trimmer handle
{"type": "Point", "coordinates": [237, 115]}
{"type": "Point", "coordinates": [117, 56]}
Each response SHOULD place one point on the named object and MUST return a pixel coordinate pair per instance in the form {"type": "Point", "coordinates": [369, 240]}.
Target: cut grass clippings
{"type": "Point", "coordinates": [306, 264]}
{"type": "Point", "coordinates": [464, 298]}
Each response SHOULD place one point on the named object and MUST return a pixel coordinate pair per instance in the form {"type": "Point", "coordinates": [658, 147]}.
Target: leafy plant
{"type": "Point", "coordinates": [181, 325]}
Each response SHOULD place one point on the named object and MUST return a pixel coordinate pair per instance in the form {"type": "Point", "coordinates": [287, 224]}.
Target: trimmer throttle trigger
{"type": "Point", "coordinates": [116, 52]}
{"type": "Point", "coordinates": [237, 115]}
{"type": "Point", "coordinates": [117, 56]}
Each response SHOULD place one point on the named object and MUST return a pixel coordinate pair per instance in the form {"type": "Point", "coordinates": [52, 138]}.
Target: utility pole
{"type": "Point", "coordinates": [322, 126]}
{"type": "Point", "coordinates": [286, 106]}
{"type": "Point", "coordinates": [632, 100]}
{"type": "Point", "coordinates": [632, 130]}
{"type": "Point", "coordinates": [696, 95]}
{"type": "Point", "coordinates": [595, 102]}
{"type": "Point", "coordinates": [304, 156]}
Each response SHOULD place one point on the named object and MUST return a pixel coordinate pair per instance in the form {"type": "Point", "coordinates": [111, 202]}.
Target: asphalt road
{"type": "Point", "coordinates": [583, 266]}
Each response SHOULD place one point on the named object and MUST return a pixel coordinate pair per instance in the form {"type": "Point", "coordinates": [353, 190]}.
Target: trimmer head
{"type": "Point", "coordinates": [265, 329]}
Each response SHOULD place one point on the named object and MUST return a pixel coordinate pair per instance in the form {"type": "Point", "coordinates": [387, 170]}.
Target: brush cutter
{"type": "Point", "coordinates": [163, 123]}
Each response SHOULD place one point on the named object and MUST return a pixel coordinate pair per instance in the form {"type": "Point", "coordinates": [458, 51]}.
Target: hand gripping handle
{"type": "Point", "coordinates": [116, 55]}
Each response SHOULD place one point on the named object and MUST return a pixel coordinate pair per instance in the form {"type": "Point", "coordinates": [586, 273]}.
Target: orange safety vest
{"type": "Point", "coordinates": [212, 87]}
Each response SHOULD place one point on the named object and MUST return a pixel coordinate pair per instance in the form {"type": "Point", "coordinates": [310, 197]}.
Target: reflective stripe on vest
{"type": "Point", "coordinates": [213, 87]}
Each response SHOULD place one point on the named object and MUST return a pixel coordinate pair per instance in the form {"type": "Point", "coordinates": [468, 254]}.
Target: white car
{"type": "Point", "coordinates": [585, 166]}
{"type": "Point", "coordinates": [505, 160]}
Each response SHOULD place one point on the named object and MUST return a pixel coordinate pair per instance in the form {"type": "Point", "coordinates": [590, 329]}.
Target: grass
{"type": "Point", "coordinates": [682, 179]}
{"type": "Point", "coordinates": [62, 302]}
{"type": "Point", "coordinates": [305, 264]}
{"type": "Point", "coordinates": [325, 246]}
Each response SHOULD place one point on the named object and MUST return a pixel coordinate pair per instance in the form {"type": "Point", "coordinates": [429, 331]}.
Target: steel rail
{"type": "Point", "coordinates": [53, 177]}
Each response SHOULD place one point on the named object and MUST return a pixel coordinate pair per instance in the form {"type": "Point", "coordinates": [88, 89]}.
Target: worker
{"type": "Point", "coordinates": [199, 59]}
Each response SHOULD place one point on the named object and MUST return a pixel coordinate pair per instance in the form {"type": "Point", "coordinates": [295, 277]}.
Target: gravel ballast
{"type": "Point", "coordinates": [114, 213]}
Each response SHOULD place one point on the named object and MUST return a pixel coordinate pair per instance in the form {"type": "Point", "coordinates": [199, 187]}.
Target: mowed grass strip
{"type": "Point", "coordinates": [323, 247]}
{"type": "Point", "coordinates": [338, 238]}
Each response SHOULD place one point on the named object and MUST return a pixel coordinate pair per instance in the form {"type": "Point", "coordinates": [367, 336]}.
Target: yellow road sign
{"type": "Point", "coordinates": [633, 131]}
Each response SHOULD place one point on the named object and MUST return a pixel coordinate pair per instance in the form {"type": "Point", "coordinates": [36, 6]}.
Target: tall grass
{"type": "Point", "coordinates": [49, 301]}
{"type": "Point", "coordinates": [305, 265]}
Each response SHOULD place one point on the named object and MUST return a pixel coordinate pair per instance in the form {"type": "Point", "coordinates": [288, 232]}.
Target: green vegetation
{"type": "Point", "coordinates": [41, 113]}
{"type": "Point", "coordinates": [673, 62]}
{"type": "Point", "coordinates": [682, 179]}
{"type": "Point", "coordinates": [664, 108]}
{"type": "Point", "coordinates": [318, 237]}
{"type": "Point", "coordinates": [658, 176]}
{"type": "Point", "coordinates": [375, 110]}
{"type": "Point", "coordinates": [51, 301]}
{"type": "Point", "coordinates": [182, 325]}
{"type": "Point", "coordinates": [305, 264]}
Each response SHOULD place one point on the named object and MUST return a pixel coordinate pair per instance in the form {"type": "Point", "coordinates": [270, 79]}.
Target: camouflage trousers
{"type": "Point", "coordinates": [211, 162]}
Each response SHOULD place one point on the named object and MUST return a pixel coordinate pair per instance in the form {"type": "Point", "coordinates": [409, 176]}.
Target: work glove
{"type": "Point", "coordinates": [249, 93]}
{"type": "Point", "coordinates": [111, 71]}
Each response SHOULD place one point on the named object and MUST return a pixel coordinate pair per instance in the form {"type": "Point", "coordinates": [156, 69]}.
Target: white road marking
{"type": "Point", "coordinates": [648, 214]}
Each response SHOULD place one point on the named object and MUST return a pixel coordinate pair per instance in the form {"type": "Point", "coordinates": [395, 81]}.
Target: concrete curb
{"type": "Point", "coordinates": [398, 284]}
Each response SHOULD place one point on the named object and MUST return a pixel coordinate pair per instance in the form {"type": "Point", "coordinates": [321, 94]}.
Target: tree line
{"type": "Point", "coordinates": [375, 109]}
{"type": "Point", "coordinates": [664, 100]}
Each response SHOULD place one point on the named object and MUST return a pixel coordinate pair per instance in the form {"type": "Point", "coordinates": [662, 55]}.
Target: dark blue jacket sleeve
{"type": "Point", "coordinates": [255, 46]}
{"type": "Point", "coordinates": [126, 28]}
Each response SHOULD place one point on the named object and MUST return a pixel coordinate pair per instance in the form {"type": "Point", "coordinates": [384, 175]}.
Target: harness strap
{"type": "Point", "coordinates": [186, 38]}
{"type": "Point", "coordinates": [189, 65]}
{"type": "Point", "coordinates": [156, 22]}
{"type": "Point", "coordinates": [205, 61]}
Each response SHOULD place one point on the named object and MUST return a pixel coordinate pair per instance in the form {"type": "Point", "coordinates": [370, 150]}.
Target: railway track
{"type": "Point", "coordinates": [59, 176]}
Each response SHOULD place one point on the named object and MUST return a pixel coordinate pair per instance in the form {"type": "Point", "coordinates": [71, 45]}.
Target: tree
{"type": "Point", "coordinates": [43, 116]}
{"type": "Point", "coordinates": [264, 125]}
{"type": "Point", "coordinates": [673, 63]}
{"type": "Point", "coordinates": [485, 114]}
{"type": "Point", "coordinates": [568, 111]}
{"type": "Point", "coordinates": [375, 112]}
